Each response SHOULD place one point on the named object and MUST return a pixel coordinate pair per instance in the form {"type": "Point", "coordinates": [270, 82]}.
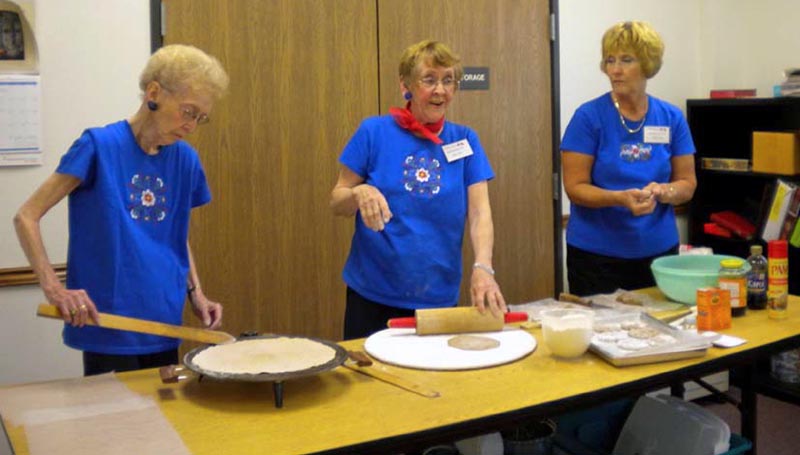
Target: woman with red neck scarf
{"type": "Point", "coordinates": [412, 180]}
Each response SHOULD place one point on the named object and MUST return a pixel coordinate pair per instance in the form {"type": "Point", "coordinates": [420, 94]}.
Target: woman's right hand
{"type": "Point", "coordinates": [74, 304]}
{"type": "Point", "coordinates": [639, 202]}
{"type": "Point", "coordinates": [372, 205]}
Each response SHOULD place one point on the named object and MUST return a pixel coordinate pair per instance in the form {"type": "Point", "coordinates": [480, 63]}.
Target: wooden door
{"type": "Point", "coordinates": [302, 78]}
{"type": "Point", "coordinates": [512, 119]}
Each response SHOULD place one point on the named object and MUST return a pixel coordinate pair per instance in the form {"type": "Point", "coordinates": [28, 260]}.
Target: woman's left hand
{"type": "Point", "coordinates": [486, 293]}
{"type": "Point", "coordinates": [662, 192]}
{"type": "Point", "coordinates": [208, 311]}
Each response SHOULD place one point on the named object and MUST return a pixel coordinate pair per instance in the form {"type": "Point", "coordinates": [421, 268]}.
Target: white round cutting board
{"type": "Point", "coordinates": [403, 347]}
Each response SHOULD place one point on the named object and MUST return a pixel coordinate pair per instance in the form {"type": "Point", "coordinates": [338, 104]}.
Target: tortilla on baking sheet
{"type": "Point", "coordinates": [473, 342]}
{"type": "Point", "coordinates": [264, 355]}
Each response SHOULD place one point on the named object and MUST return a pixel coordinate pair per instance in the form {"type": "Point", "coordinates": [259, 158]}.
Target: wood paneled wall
{"type": "Point", "coordinates": [302, 78]}
{"type": "Point", "coordinates": [304, 73]}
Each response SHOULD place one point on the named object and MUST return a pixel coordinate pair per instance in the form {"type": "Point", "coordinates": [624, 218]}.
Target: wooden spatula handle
{"type": "Point", "coordinates": [112, 321]}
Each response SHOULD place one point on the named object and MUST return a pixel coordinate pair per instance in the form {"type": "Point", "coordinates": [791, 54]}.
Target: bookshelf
{"type": "Point", "coordinates": [722, 128]}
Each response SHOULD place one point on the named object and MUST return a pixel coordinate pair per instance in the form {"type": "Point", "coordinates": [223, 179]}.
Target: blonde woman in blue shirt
{"type": "Point", "coordinates": [628, 159]}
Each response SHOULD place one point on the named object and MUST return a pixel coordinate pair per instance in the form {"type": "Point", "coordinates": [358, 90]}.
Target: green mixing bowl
{"type": "Point", "coordinates": [679, 276]}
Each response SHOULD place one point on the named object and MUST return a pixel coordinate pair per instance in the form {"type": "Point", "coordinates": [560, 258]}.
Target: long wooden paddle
{"type": "Point", "coordinates": [112, 321]}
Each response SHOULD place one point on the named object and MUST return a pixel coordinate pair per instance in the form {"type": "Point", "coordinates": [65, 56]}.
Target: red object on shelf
{"type": "Point", "coordinates": [733, 93]}
{"type": "Point", "coordinates": [735, 223]}
{"type": "Point", "coordinates": [715, 229]}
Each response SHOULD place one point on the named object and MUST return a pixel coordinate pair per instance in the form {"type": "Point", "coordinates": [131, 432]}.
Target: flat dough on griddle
{"type": "Point", "coordinates": [473, 342]}
{"type": "Point", "coordinates": [264, 355]}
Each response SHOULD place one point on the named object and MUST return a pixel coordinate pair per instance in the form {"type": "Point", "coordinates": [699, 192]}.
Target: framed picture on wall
{"type": "Point", "coordinates": [18, 53]}
{"type": "Point", "coordinates": [12, 40]}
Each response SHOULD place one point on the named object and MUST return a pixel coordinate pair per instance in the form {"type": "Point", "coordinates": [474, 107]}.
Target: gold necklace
{"type": "Point", "coordinates": [622, 119]}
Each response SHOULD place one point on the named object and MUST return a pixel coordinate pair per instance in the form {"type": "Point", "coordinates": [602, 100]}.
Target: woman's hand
{"type": "Point", "coordinates": [372, 205]}
{"type": "Point", "coordinates": [662, 192]}
{"type": "Point", "coordinates": [208, 311]}
{"type": "Point", "coordinates": [639, 202]}
{"type": "Point", "coordinates": [485, 292]}
{"type": "Point", "coordinates": [74, 304]}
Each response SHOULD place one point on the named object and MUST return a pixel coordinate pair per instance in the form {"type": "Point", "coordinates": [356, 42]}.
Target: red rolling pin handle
{"type": "Point", "coordinates": [402, 323]}
{"type": "Point", "coordinates": [515, 316]}
{"type": "Point", "coordinates": [411, 322]}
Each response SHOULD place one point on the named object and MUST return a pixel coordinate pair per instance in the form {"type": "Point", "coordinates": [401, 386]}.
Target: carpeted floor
{"type": "Point", "coordinates": [777, 423]}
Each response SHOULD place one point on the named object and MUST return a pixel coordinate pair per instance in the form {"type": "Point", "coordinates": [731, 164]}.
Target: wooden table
{"type": "Point", "coordinates": [341, 411]}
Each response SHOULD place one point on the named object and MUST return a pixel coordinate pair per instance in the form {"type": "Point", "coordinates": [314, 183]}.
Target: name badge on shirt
{"type": "Point", "coordinates": [656, 134]}
{"type": "Point", "coordinates": [457, 150]}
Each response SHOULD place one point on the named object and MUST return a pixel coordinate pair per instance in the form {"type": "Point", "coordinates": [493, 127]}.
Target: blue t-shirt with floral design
{"type": "Point", "coordinates": [415, 262]}
{"type": "Point", "coordinates": [128, 228]}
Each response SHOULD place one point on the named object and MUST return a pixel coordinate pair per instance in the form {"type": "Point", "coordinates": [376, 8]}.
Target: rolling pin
{"type": "Point", "coordinates": [455, 320]}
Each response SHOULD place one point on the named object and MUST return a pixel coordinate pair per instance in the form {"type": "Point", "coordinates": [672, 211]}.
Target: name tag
{"type": "Point", "coordinates": [457, 150]}
{"type": "Point", "coordinates": [656, 134]}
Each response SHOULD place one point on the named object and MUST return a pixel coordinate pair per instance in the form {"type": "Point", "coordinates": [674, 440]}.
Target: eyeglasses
{"type": "Point", "coordinates": [624, 61]}
{"type": "Point", "coordinates": [191, 114]}
{"type": "Point", "coordinates": [430, 83]}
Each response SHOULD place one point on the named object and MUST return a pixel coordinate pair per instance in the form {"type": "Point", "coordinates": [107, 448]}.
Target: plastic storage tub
{"type": "Point", "coordinates": [666, 425]}
{"type": "Point", "coordinates": [594, 431]}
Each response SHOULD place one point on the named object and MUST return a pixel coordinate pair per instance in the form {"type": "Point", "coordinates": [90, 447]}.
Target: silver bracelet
{"type": "Point", "coordinates": [483, 267]}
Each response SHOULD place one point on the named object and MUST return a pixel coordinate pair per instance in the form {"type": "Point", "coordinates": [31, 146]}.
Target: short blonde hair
{"type": "Point", "coordinates": [638, 38]}
{"type": "Point", "coordinates": [178, 67]}
{"type": "Point", "coordinates": [431, 52]}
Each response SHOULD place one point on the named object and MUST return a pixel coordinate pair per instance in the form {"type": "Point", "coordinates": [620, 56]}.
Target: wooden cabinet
{"type": "Point", "coordinates": [723, 129]}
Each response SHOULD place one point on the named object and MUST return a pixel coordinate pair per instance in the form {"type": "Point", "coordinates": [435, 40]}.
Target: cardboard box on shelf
{"type": "Point", "coordinates": [776, 152]}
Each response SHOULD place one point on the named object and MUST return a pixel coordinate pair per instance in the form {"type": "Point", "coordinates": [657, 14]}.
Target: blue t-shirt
{"type": "Point", "coordinates": [128, 227]}
{"type": "Point", "coordinates": [622, 160]}
{"type": "Point", "coordinates": [415, 262]}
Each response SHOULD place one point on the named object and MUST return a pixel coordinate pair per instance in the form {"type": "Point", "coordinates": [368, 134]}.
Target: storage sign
{"type": "Point", "coordinates": [475, 78]}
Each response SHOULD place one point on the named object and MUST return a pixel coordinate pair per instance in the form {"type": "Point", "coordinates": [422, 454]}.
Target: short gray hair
{"type": "Point", "coordinates": [178, 67]}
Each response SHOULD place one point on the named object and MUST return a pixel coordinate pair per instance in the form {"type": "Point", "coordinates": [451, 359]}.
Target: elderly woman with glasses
{"type": "Point", "coordinates": [627, 159]}
{"type": "Point", "coordinates": [131, 186]}
{"type": "Point", "coordinates": [412, 179]}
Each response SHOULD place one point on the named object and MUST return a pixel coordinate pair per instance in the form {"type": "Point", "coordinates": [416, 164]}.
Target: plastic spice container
{"type": "Point", "coordinates": [777, 278]}
{"type": "Point", "coordinates": [733, 277]}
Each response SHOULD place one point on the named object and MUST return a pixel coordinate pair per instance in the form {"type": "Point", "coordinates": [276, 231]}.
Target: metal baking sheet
{"type": "Point", "coordinates": [667, 343]}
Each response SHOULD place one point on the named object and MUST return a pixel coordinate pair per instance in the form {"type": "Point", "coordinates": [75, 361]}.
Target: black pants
{"type": "Point", "coordinates": [363, 317]}
{"type": "Point", "coordinates": [590, 273]}
{"type": "Point", "coordinates": [96, 363]}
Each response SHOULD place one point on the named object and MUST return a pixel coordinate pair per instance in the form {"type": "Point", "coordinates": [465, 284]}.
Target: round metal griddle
{"type": "Point", "coordinates": [276, 378]}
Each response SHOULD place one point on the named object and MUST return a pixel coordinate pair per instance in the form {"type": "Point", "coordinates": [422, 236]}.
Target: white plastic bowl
{"type": "Point", "coordinates": [567, 332]}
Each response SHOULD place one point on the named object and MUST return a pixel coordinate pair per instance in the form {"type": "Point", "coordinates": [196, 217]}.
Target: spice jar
{"type": "Point", "coordinates": [733, 277]}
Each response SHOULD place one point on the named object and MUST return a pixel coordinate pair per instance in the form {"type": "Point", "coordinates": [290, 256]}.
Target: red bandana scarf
{"type": "Point", "coordinates": [406, 120]}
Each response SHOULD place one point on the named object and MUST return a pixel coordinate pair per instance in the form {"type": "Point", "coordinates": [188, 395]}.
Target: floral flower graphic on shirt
{"type": "Point", "coordinates": [147, 198]}
{"type": "Point", "coordinates": [635, 152]}
{"type": "Point", "coordinates": [422, 176]}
